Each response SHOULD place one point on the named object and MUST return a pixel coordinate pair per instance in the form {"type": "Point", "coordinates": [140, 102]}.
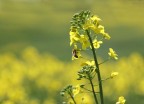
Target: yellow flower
{"type": "Point", "coordinates": [121, 100]}
{"type": "Point", "coordinates": [74, 35]}
{"type": "Point", "coordinates": [85, 41]}
{"type": "Point", "coordinates": [97, 43]}
{"type": "Point", "coordinates": [88, 24]}
{"type": "Point", "coordinates": [90, 63]}
{"type": "Point", "coordinates": [95, 18]}
{"type": "Point", "coordinates": [91, 23]}
{"type": "Point", "coordinates": [106, 36]}
{"type": "Point", "coordinates": [98, 29]}
{"type": "Point", "coordinates": [112, 54]}
{"type": "Point", "coordinates": [76, 90]}
{"type": "Point", "coordinates": [76, 53]}
{"type": "Point", "coordinates": [113, 74]}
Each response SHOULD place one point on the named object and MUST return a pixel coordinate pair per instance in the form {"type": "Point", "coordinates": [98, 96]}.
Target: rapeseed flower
{"type": "Point", "coordinates": [121, 100]}
{"type": "Point", "coordinates": [113, 74]}
{"type": "Point", "coordinates": [76, 90]}
{"type": "Point", "coordinates": [98, 29]}
{"type": "Point", "coordinates": [106, 36]}
{"type": "Point", "coordinates": [84, 41]}
{"type": "Point", "coordinates": [74, 35]}
{"type": "Point", "coordinates": [88, 24]}
{"type": "Point", "coordinates": [90, 63]}
{"type": "Point", "coordinates": [112, 54]}
{"type": "Point", "coordinates": [95, 19]}
{"type": "Point", "coordinates": [91, 23]}
{"type": "Point", "coordinates": [96, 43]}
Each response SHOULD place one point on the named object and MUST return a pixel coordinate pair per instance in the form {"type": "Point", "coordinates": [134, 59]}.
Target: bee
{"type": "Point", "coordinates": [74, 53]}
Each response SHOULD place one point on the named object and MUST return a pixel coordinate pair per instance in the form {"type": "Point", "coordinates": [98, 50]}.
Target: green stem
{"type": "Point", "coordinates": [103, 61]}
{"type": "Point", "coordinates": [93, 90]}
{"type": "Point", "coordinates": [89, 90]}
{"type": "Point", "coordinates": [97, 68]}
{"type": "Point", "coordinates": [72, 98]}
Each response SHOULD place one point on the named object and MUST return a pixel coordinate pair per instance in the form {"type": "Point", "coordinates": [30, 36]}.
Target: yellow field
{"type": "Point", "coordinates": [35, 78]}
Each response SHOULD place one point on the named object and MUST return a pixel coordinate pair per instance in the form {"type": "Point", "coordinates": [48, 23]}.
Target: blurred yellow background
{"type": "Point", "coordinates": [35, 56]}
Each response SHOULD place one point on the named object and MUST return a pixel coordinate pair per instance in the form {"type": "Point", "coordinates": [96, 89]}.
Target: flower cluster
{"type": "Point", "coordinates": [71, 91]}
{"type": "Point", "coordinates": [86, 33]}
{"type": "Point", "coordinates": [81, 24]}
{"type": "Point", "coordinates": [86, 72]}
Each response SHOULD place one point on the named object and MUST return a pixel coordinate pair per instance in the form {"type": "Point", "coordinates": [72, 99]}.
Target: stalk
{"type": "Point", "coordinates": [72, 98]}
{"type": "Point", "coordinates": [93, 90]}
{"type": "Point", "coordinates": [97, 68]}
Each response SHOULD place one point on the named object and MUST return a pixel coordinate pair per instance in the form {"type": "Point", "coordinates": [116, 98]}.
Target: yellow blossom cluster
{"type": "Point", "coordinates": [35, 78]}
{"type": "Point", "coordinates": [91, 23]}
{"type": "Point", "coordinates": [29, 79]}
{"type": "Point", "coordinates": [85, 26]}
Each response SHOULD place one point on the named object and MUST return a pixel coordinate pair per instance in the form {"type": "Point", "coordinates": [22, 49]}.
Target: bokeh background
{"type": "Point", "coordinates": [35, 56]}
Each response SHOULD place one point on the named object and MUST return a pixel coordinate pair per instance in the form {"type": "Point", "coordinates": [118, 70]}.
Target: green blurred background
{"type": "Point", "coordinates": [44, 24]}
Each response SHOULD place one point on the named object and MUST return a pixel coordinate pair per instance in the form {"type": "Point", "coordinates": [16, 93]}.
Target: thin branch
{"type": "Point", "coordinates": [89, 90]}
{"type": "Point", "coordinates": [93, 90]}
{"type": "Point", "coordinates": [72, 98]}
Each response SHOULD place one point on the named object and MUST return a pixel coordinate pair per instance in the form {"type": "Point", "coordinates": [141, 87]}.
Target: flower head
{"type": "Point", "coordinates": [113, 74]}
{"type": "Point", "coordinates": [112, 54]}
{"type": "Point", "coordinates": [98, 29]}
{"type": "Point", "coordinates": [106, 36]}
{"type": "Point", "coordinates": [88, 24]}
{"type": "Point", "coordinates": [76, 90]}
{"type": "Point", "coordinates": [90, 63]}
{"type": "Point", "coordinates": [121, 100]}
{"type": "Point", "coordinates": [85, 41]}
{"type": "Point", "coordinates": [74, 35]}
{"type": "Point", "coordinates": [92, 23]}
{"type": "Point", "coordinates": [96, 43]}
{"type": "Point", "coordinates": [95, 18]}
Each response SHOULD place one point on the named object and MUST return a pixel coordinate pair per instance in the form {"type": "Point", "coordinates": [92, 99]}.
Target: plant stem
{"type": "Point", "coordinates": [103, 61]}
{"type": "Point", "coordinates": [89, 90]}
{"type": "Point", "coordinates": [93, 90]}
{"type": "Point", "coordinates": [97, 68]}
{"type": "Point", "coordinates": [72, 98]}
